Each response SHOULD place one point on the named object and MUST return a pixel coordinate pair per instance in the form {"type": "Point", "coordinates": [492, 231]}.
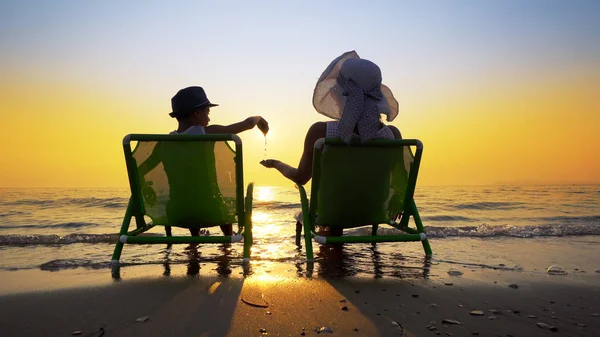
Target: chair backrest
{"type": "Point", "coordinates": [361, 184]}
{"type": "Point", "coordinates": [186, 180]}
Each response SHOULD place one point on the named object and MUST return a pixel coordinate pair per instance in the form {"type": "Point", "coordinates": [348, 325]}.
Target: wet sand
{"type": "Point", "coordinates": [285, 302]}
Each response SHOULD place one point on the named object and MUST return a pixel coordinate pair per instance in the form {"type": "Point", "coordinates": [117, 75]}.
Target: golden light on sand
{"type": "Point", "coordinates": [267, 272]}
{"type": "Point", "coordinates": [214, 287]}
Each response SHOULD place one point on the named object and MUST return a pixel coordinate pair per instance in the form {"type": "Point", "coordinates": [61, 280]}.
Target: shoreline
{"type": "Point", "coordinates": [283, 300]}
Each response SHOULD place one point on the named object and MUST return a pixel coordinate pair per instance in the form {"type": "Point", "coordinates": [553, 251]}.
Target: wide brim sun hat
{"type": "Point", "coordinates": [329, 97]}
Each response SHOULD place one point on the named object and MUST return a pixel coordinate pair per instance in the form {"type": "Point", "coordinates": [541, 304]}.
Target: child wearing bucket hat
{"type": "Point", "coordinates": [350, 92]}
{"type": "Point", "coordinates": [191, 108]}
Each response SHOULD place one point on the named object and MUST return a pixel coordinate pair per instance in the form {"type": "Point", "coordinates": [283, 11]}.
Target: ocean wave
{"type": "Point", "coordinates": [275, 205]}
{"type": "Point", "coordinates": [490, 205]}
{"type": "Point", "coordinates": [55, 265]}
{"type": "Point", "coordinates": [497, 231]}
{"type": "Point", "coordinates": [68, 225]}
{"type": "Point", "coordinates": [573, 219]}
{"type": "Point", "coordinates": [485, 230]}
{"type": "Point", "coordinates": [480, 231]}
{"type": "Point", "coordinates": [29, 202]}
{"type": "Point", "coordinates": [12, 213]}
{"type": "Point", "coordinates": [79, 202]}
{"type": "Point", "coordinates": [448, 218]}
{"type": "Point", "coordinates": [53, 239]}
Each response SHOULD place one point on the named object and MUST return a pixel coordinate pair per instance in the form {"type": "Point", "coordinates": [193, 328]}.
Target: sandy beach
{"type": "Point", "coordinates": [294, 302]}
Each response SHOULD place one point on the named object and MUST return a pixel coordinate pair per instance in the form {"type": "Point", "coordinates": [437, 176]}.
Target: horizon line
{"type": "Point", "coordinates": [292, 185]}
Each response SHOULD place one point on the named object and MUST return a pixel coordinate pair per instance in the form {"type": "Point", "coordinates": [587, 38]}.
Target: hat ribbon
{"type": "Point", "coordinates": [361, 108]}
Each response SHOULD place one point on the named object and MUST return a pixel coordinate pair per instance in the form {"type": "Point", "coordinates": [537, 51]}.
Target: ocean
{"type": "Point", "coordinates": [512, 227]}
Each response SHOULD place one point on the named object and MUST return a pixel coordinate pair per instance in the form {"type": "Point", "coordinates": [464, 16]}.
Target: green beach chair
{"type": "Point", "coordinates": [188, 181]}
{"type": "Point", "coordinates": [355, 184]}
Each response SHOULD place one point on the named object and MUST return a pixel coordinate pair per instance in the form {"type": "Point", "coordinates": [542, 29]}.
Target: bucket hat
{"type": "Point", "coordinates": [188, 99]}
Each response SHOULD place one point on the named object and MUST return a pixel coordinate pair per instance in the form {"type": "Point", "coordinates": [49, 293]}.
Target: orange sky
{"type": "Point", "coordinates": [509, 112]}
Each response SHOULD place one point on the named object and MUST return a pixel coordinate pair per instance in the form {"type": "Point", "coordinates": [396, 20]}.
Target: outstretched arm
{"type": "Point", "coordinates": [303, 173]}
{"type": "Point", "coordinates": [247, 124]}
{"type": "Point", "coordinates": [151, 162]}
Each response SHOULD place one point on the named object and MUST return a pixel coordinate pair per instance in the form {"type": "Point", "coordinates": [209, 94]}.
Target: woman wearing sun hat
{"type": "Point", "coordinates": [350, 92]}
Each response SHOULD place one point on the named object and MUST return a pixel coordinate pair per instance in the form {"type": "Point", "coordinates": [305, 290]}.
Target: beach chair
{"type": "Point", "coordinates": [355, 184]}
{"type": "Point", "coordinates": [189, 181]}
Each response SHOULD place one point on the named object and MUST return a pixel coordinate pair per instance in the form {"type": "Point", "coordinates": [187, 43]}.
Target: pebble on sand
{"type": "Point", "coordinates": [76, 332]}
{"type": "Point", "coordinates": [450, 321]}
{"type": "Point", "coordinates": [142, 319]}
{"type": "Point", "coordinates": [476, 313]}
{"type": "Point", "coordinates": [513, 285]}
{"type": "Point", "coordinates": [402, 332]}
{"type": "Point", "coordinates": [454, 272]}
{"type": "Point", "coordinates": [325, 329]}
{"type": "Point", "coordinates": [556, 270]}
{"type": "Point", "coordinates": [546, 326]}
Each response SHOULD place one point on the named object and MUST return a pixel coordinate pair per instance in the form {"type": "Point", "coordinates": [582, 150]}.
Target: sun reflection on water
{"type": "Point", "coordinates": [267, 227]}
{"type": "Point", "coordinates": [264, 193]}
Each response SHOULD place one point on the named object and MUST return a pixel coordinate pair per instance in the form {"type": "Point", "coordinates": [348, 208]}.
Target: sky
{"type": "Point", "coordinates": [499, 92]}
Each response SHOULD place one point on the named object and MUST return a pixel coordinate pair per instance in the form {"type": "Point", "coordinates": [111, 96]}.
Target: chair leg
{"type": "Point", "coordinates": [117, 252]}
{"type": "Point", "coordinates": [168, 231]}
{"type": "Point", "coordinates": [247, 241]}
{"type": "Point", "coordinates": [420, 228]}
{"type": "Point", "coordinates": [308, 239]}
{"type": "Point", "coordinates": [124, 228]}
{"type": "Point", "coordinates": [307, 224]}
{"type": "Point", "coordinates": [247, 223]}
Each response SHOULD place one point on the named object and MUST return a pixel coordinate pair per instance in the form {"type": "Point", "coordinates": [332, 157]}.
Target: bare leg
{"type": "Point", "coordinates": [298, 233]}
{"type": "Point", "coordinates": [227, 230]}
{"type": "Point", "coordinates": [336, 231]}
{"type": "Point", "coordinates": [329, 231]}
